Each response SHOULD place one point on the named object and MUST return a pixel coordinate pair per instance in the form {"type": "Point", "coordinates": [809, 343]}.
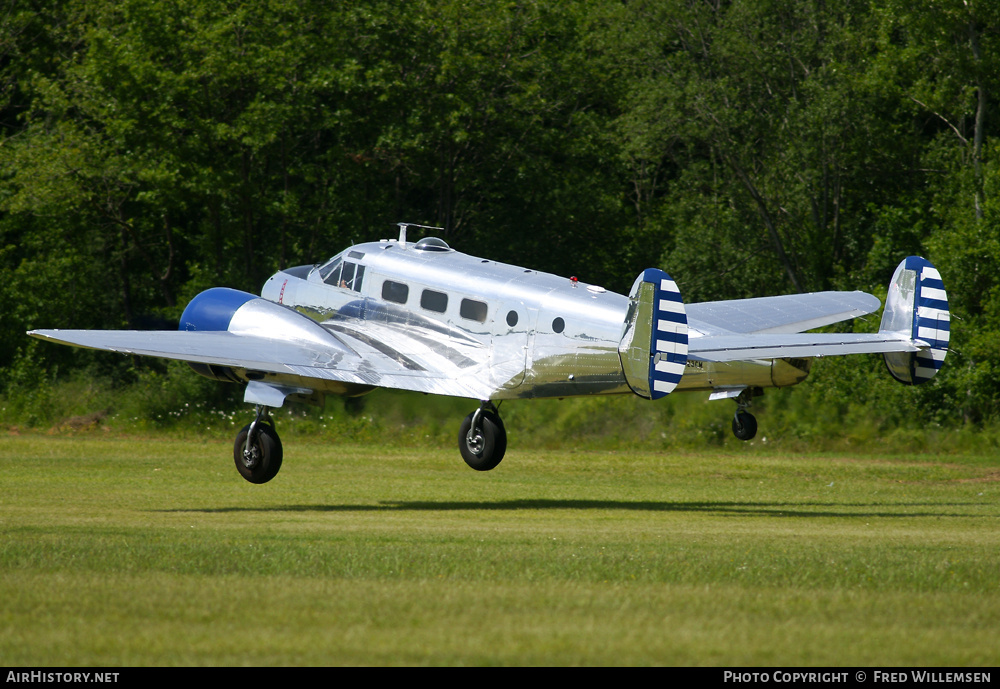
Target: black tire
{"type": "Point", "coordinates": [486, 450]}
{"type": "Point", "coordinates": [744, 425]}
{"type": "Point", "coordinates": [264, 459]}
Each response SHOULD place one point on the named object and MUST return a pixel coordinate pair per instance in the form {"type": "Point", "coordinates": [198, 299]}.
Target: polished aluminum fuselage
{"type": "Point", "coordinates": [542, 335]}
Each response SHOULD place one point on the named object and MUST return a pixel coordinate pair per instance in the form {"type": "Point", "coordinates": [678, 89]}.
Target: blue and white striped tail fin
{"type": "Point", "coordinates": [655, 345]}
{"type": "Point", "coordinates": [917, 306]}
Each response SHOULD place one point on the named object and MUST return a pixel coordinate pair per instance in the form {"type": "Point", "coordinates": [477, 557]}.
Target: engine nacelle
{"type": "Point", "coordinates": [241, 313]}
{"type": "Point", "coordinates": [213, 310]}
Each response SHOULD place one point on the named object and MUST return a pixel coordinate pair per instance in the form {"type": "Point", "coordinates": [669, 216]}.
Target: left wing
{"type": "Point", "coordinates": [330, 361]}
{"type": "Point", "coordinates": [240, 331]}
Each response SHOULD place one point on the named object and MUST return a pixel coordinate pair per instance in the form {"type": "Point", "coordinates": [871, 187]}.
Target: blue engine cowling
{"type": "Point", "coordinates": [213, 310]}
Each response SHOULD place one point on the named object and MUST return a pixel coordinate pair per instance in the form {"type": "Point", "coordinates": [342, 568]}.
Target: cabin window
{"type": "Point", "coordinates": [395, 291]}
{"type": "Point", "coordinates": [473, 310]}
{"type": "Point", "coordinates": [434, 301]}
{"type": "Point", "coordinates": [512, 318]}
{"type": "Point", "coordinates": [558, 325]}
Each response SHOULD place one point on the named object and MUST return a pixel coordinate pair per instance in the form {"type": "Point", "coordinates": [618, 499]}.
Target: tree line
{"type": "Point", "coordinates": [149, 150]}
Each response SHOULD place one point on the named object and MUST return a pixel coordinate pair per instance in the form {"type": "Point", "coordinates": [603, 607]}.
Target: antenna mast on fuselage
{"type": "Point", "coordinates": [404, 225]}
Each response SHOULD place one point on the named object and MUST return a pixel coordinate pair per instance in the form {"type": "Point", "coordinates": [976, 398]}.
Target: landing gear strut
{"type": "Point", "coordinates": [744, 423]}
{"type": "Point", "coordinates": [257, 450]}
{"type": "Point", "coordinates": [482, 439]}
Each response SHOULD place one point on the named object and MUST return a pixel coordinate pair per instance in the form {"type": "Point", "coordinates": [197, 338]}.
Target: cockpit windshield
{"type": "Point", "coordinates": [330, 271]}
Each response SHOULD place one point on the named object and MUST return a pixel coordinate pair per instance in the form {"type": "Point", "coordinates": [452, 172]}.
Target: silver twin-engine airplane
{"type": "Point", "coordinates": [422, 316]}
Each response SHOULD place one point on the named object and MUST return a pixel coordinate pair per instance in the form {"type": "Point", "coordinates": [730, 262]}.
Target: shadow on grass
{"type": "Point", "coordinates": [732, 509]}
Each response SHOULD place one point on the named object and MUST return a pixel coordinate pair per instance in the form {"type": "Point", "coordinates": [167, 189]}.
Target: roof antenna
{"type": "Point", "coordinates": [402, 231]}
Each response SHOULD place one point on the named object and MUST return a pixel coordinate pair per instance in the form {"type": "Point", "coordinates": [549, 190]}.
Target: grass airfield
{"type": "Point", "coordinates": [155, 552]}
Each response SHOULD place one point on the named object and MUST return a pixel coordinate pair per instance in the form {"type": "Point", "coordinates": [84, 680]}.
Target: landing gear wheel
{"type": "Point", "coordinates": [744, 425]}
{"type": "Point", "coordinates": [260, 462]}
{"type": "Point", "coordinates": [484, 447]}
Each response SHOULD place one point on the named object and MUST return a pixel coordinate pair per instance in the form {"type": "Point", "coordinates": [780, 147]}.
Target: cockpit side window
{"type": "Point", "coordinates": [348, 274]}
{"type": "Point", "coordinates": [359, 276]}
{"type": "Point", "coordinates": [330, 273]}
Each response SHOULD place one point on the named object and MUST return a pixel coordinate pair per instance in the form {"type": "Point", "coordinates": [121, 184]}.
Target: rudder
{"type": "Point", "coordinates": [917, 306]}
{"type": "Point", "coordinates": [653, 350]}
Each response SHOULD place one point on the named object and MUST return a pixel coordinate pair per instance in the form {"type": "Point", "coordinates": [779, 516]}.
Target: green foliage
{"type": "Point", "coordinates": [149, 151]}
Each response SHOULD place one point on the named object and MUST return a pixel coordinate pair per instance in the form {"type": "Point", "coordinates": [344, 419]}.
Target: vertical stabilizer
{"type": "Point", "coordinates": [653, 350]}
{"type": "Point", "coordinates": [917, 307]}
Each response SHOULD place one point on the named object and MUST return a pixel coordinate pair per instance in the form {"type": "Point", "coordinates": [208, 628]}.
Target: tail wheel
{"type": "Point", "coordinates": [258, 461]}
{"type": "Point", "coordinates": [482, 448]}
{"type": "Point", "coordinates": [744, 425]}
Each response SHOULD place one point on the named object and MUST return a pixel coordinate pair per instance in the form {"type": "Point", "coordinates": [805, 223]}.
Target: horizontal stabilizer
{"type": "Point", "coordinates": [797, 346]}
{"type": "Point", "coordinates": [787, 313]}
{"type": "Point", "coordinates": [913, 337]}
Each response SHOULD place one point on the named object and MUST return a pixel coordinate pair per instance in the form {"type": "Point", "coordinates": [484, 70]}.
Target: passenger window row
{"type": "Point", "coordinates": [435, 301]}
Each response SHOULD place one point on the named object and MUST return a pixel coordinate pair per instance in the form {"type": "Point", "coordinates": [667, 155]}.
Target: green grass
{"type": "Point", "coordinates": [154, 552]}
